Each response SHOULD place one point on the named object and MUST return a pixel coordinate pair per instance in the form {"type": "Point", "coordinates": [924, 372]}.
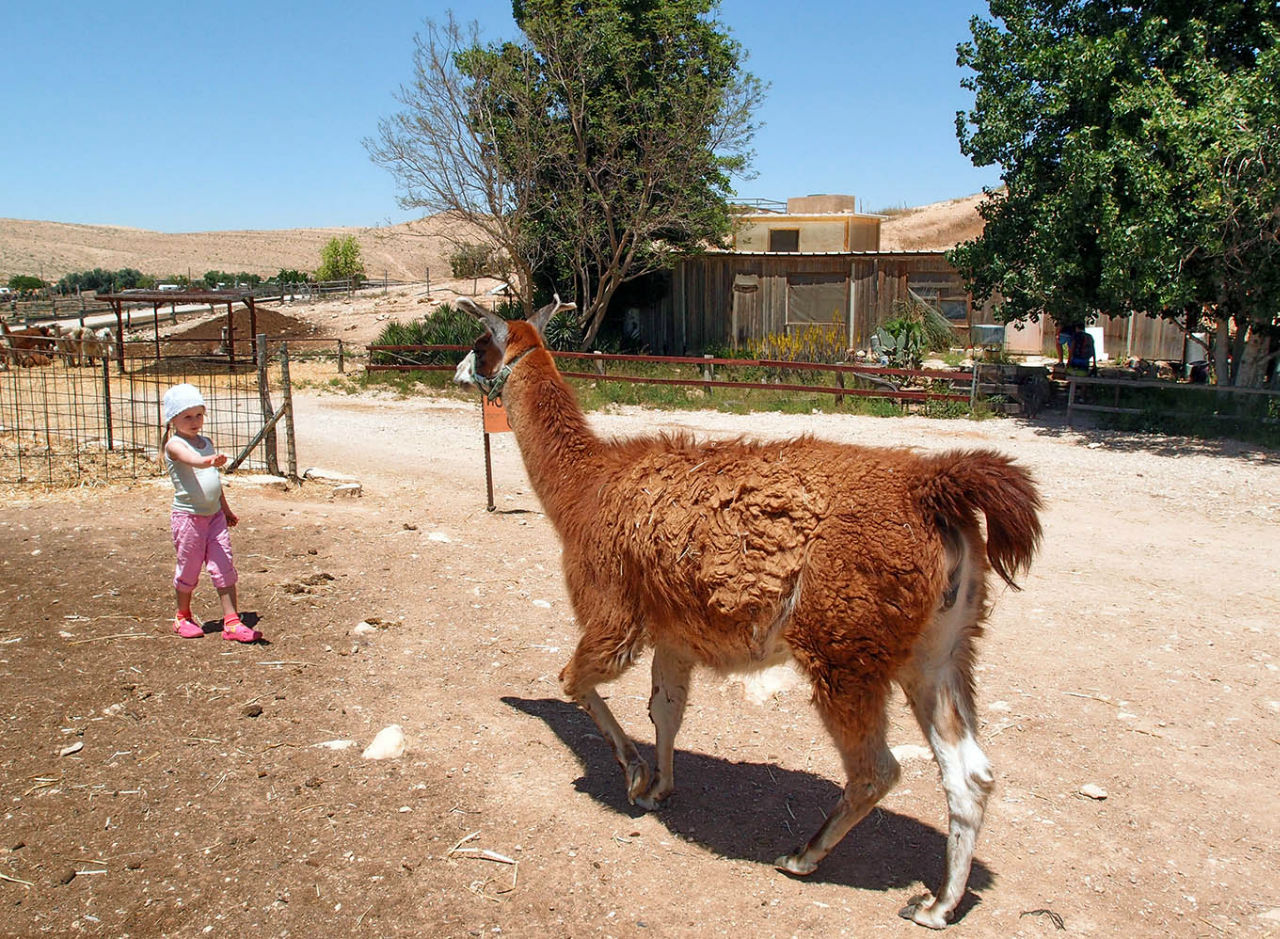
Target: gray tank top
{"type": "Point", "coordinates": [196, 491]}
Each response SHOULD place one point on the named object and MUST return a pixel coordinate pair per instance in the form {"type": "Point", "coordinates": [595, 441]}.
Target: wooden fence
{"type": "Point", "coordinates": [887, 382]}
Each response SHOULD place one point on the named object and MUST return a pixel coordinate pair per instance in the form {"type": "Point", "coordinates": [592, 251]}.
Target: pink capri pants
{"type": "Point", "coordinates": [202, 541]}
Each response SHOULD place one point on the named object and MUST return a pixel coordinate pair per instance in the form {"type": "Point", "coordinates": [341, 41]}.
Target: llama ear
{"type": "Point", "coordinates": [540, 319]}
{"type": "Point", "coordinates": [496, 325]}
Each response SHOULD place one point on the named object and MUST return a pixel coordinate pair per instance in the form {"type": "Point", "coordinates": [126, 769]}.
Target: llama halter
{"type": "Point", "coordinates": [492, 387]}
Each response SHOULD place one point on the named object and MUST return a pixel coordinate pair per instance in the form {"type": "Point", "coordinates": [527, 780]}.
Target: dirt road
{"type": "Point", "coordinates": [1139, 659]}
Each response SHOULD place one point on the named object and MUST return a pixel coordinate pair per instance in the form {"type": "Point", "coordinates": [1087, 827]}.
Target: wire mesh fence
{"type": "Point", "coordinates": [62, 424]}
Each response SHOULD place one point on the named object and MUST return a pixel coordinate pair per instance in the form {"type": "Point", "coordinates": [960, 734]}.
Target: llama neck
{"type": "Point", "coordinates": [560, 450]}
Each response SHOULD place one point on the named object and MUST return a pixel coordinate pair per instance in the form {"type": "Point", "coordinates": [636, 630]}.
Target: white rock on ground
{"type": "Point", "coordinates": [388, 745]}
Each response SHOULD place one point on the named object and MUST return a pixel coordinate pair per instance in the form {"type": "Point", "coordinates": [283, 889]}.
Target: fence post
{"type": "Point", "coordinates": [264, 398]}
{"type": "Point", "coordinates": [106, 400]}
{"type": "Point", "coordinates": [341, 368]}
{"type": "Point", "coordinates": [287, 390]}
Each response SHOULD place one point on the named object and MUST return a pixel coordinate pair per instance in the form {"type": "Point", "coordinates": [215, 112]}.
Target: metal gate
{"type": "Point", "coordinates": [76, 423]}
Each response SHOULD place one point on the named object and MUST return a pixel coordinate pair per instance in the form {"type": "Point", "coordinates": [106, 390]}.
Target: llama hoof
{"type": "Point", "coordinates": [637, 782]}
{"type": "Point", "coordinates": [923, 910]}
{"type": "Point", "coordinates": [653, 801]}
{"type": "Point", "coordinates": [795, 864]}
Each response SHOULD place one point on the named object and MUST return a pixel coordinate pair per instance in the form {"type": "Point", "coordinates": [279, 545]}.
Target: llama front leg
{"type": "Point", "coordinates": [666, 709]}
{"type": "Point", "coordinates": [579, 680]}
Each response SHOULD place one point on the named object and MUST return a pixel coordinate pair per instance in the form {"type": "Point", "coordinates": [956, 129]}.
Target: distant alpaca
{"type": "Point", "coordinates": [866, 566]}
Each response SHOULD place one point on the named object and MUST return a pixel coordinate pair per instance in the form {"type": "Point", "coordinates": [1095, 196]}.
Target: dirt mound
{"type": "Point", "coordinates": [206, 335]}
{"type": "Point", "coordinates": [935, 227]}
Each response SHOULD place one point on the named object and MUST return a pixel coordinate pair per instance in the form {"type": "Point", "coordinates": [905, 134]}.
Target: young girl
{"type": "Point", "coordinates": [200, 515]}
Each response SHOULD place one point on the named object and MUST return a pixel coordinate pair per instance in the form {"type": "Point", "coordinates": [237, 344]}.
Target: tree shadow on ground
{"type": "Point", "coordinates": [1169, 445]}
{"type": "Point", "coordinates": [758, 811]}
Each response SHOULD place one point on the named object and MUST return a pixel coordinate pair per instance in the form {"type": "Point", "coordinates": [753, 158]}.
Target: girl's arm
{"type": "Point", "coordinates": [232, 518]}
{"type": "Point", "coordinates": [180, 451]}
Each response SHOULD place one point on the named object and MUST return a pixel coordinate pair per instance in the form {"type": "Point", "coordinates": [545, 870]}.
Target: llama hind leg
{"type": "Point", "coordinates": [858, 728]}
{"type": "Point", "coordinates": [579, 679]}
{"type": "Point", "coordinates": [944, 708]}
{"type": "Point", "coordinates": [666, 709]}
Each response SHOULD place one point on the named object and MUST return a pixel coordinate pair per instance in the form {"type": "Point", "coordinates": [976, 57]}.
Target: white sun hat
{"type": "Point", "coordinates": [181, 398]}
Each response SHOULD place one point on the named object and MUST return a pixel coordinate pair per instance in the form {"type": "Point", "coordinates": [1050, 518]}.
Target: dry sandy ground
{"type": "Point", "coordinates": [405, 252]}
{"type": "Point", "coordinates": [1140, 658]}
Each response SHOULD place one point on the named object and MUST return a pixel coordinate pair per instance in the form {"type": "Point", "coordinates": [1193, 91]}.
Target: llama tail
{"type": "Point", "coordinates": [959, 484]}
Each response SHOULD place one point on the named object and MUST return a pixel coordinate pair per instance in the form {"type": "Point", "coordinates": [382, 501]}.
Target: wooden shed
{"type": "Point", "coordinates": [727, 298]}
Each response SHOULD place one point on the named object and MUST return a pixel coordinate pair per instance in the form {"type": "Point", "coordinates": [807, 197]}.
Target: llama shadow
{"type": "Point", "coordinates": [727, 808]}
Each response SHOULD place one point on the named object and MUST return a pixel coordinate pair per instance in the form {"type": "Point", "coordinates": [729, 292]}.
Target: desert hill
{"type": "Point", "coordinates": [405, 252]}
{"type": "Point", "coordinates": [933, 227]}
{"type": "Point", "coordinates": [53, 249]}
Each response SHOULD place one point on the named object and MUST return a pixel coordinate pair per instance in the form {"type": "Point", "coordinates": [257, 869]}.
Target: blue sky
{"type": "Point", "coordinates": [250, 115]}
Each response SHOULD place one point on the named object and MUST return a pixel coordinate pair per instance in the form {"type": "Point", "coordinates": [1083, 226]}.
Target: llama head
{"type": "Point", "coordinates": [502, 345]}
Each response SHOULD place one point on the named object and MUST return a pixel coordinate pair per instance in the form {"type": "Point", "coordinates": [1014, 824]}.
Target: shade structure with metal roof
{"type": "Point", "coordinates": [210, 298]}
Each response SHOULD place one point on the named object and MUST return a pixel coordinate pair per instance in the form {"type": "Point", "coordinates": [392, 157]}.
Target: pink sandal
{"type": "Point", "coordinates": [187, 628]}
{"type": "Point", "coordinates": [239, 632]}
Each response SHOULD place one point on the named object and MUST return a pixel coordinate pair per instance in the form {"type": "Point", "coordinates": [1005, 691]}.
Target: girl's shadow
{"type": "Point", "coordinates": [758, 811]}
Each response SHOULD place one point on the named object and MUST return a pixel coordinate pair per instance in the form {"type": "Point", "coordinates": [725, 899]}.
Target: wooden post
{"type": "Point", "coordinates": [264, 399]}
{"type": "Point", "coordinates": [231, 338]}
{"type": "Point", "coordinates": [119, 337]}
{"type": "Point", "coordinates": [287, 390]}
{"type": "Point", "coordinates": [106, 401]}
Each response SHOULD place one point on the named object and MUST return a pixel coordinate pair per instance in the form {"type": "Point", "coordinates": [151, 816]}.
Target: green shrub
{"type": "Point", "coordinates": [474, 260]}
{"type": "Point", "coordinates": [447, 326]}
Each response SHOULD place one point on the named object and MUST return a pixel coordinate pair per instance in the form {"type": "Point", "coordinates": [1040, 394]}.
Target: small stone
{"type": "Point", "coordinates": [1093, 791]}
{"type": "Point", "coordinates": [389, 744]}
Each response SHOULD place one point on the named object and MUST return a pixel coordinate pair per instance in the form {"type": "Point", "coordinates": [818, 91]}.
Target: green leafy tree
{"type": "Point", "coordinates": [340, 260]}
{"type": "Point", "coordinates": [591, 150]}
{"type": "Point", "coordinates": [1138, 148]}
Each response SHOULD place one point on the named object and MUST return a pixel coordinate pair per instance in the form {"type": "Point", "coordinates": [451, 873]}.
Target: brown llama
{"type": "Point", "coordinates": [866, 566]}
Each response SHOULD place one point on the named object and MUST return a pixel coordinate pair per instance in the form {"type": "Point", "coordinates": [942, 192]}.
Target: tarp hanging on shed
{"type": "Point", "coordinates": [818, 298]}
